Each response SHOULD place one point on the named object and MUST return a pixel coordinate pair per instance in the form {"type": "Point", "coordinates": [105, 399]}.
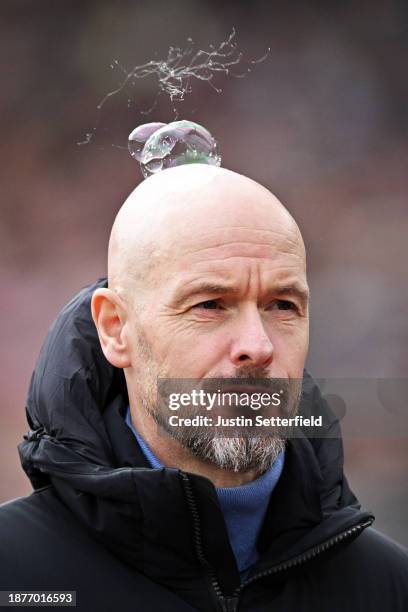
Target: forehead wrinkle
{"type": "Point", "coordinates": [260, 258]}
{"type": "Point", "coordinates": [279, 231]}
{"type": "Point", "coordinates": [260, 246]}
{"type": "Point", "coordinates": [221, 238]}
{"type": "Point", "coordinates": [230, 278]}
{"type": "Point", "coordinates": [184, 290]}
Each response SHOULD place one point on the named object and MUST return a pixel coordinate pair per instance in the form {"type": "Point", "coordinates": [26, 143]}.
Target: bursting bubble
{"type": "Point", "coordinates": [174, 144]}
{"type": "Point", "coordinates": [138, 137]}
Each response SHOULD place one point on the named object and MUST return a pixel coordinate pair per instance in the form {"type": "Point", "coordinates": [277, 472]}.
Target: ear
{"type": "Point", "coordinates": [109, 317]}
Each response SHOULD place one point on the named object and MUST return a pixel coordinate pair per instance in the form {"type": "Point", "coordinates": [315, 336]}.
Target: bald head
{"type": "Point", "coordinates": [177, 208]}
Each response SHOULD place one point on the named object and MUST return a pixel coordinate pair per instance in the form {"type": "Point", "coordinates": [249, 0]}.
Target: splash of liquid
{"type": "Point", "coordinates": [176, 73]}
{"type": "Point", "coordinates": [158, 146]}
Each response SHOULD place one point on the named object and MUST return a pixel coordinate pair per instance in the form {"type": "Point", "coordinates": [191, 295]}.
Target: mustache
{"type": "Point", "coordinates": [252, 373]}
{"type": "Point", "coordinates": [256, 377]}
{"type": "Point", "coordinates": [250, 381]}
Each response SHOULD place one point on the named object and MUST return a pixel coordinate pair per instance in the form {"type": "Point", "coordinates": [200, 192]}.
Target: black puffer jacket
{"type": "Point", "coordinates": [131, 538]}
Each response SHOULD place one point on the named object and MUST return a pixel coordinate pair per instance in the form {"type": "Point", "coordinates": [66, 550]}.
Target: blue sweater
{"type": "Point", "coordinates": [244, 507]}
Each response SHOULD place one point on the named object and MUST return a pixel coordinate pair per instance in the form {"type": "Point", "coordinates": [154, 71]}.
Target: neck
{"type": "Point", "coordinates": [171, 453]}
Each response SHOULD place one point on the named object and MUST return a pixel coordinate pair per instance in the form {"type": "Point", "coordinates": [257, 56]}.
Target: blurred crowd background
{"type": "Point", "coordinates": [322, 122]}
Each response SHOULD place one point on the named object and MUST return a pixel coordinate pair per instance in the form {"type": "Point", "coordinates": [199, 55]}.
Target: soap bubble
{"type": "Point", "coordinates": [175, 144]}
{"type": "Point", "coordinates": [138, 137]}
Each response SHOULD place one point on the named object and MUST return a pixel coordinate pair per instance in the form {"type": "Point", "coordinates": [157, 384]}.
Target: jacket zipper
{"type": "Point", "coordinates": [230, 603]}
{"type": "Point", "coordinates": [198, 544]}
{"type": "Point", "coordinates": [309, 554]}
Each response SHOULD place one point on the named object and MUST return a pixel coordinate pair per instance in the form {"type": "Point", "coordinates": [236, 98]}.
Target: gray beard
{"type": "Point", "coordinates": [239, 454]}
{"type": "Point", "coordinates": [236, 454]}
{"type": "Point", "coordinates": [233, 454]}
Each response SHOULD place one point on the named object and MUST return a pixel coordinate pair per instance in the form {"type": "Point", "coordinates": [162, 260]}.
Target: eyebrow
{"type": "Point", "coordinates": [295, 289]}
{"type": "Point", "coordinates": [204, 287]}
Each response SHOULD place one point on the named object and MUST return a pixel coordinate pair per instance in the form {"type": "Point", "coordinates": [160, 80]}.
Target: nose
{"type": "Point", "coordinates": [251, 344]}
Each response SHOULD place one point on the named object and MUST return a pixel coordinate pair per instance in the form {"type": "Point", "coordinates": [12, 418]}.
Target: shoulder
{"type": "Point", "coordinates": [19, 517]}
{"type": "Point", "coordinates": [27, 515]}
{"type": "Point", "coordinates": [42, 543]}
{"type": "Point", "coordinates": [37, 532]}
{"type": "Point", "coordinates": [379, 553]}
{"type": "Point", "coordinates": [43, 547]}
{"type": "Point", "coordinates": [371, 572]}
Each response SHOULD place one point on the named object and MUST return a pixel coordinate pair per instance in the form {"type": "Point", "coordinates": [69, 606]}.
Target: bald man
{"type": "Point", "coordinates": [206, 281]}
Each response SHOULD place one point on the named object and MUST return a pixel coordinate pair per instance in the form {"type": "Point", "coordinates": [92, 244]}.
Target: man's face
{"type": "Point", "coordinates": [209, 270]}
{"type": "Point", "coordinates": [222, 298]}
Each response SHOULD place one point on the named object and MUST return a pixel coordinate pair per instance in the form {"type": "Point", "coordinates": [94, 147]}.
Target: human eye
{"type": "Point", "coordinates": [283, 305]}
{"type": "Point", "coordinates": [207, 305]}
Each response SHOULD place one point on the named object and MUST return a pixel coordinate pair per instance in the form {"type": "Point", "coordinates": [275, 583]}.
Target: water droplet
{"type": "Point", "coordinates": [153, 166]}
